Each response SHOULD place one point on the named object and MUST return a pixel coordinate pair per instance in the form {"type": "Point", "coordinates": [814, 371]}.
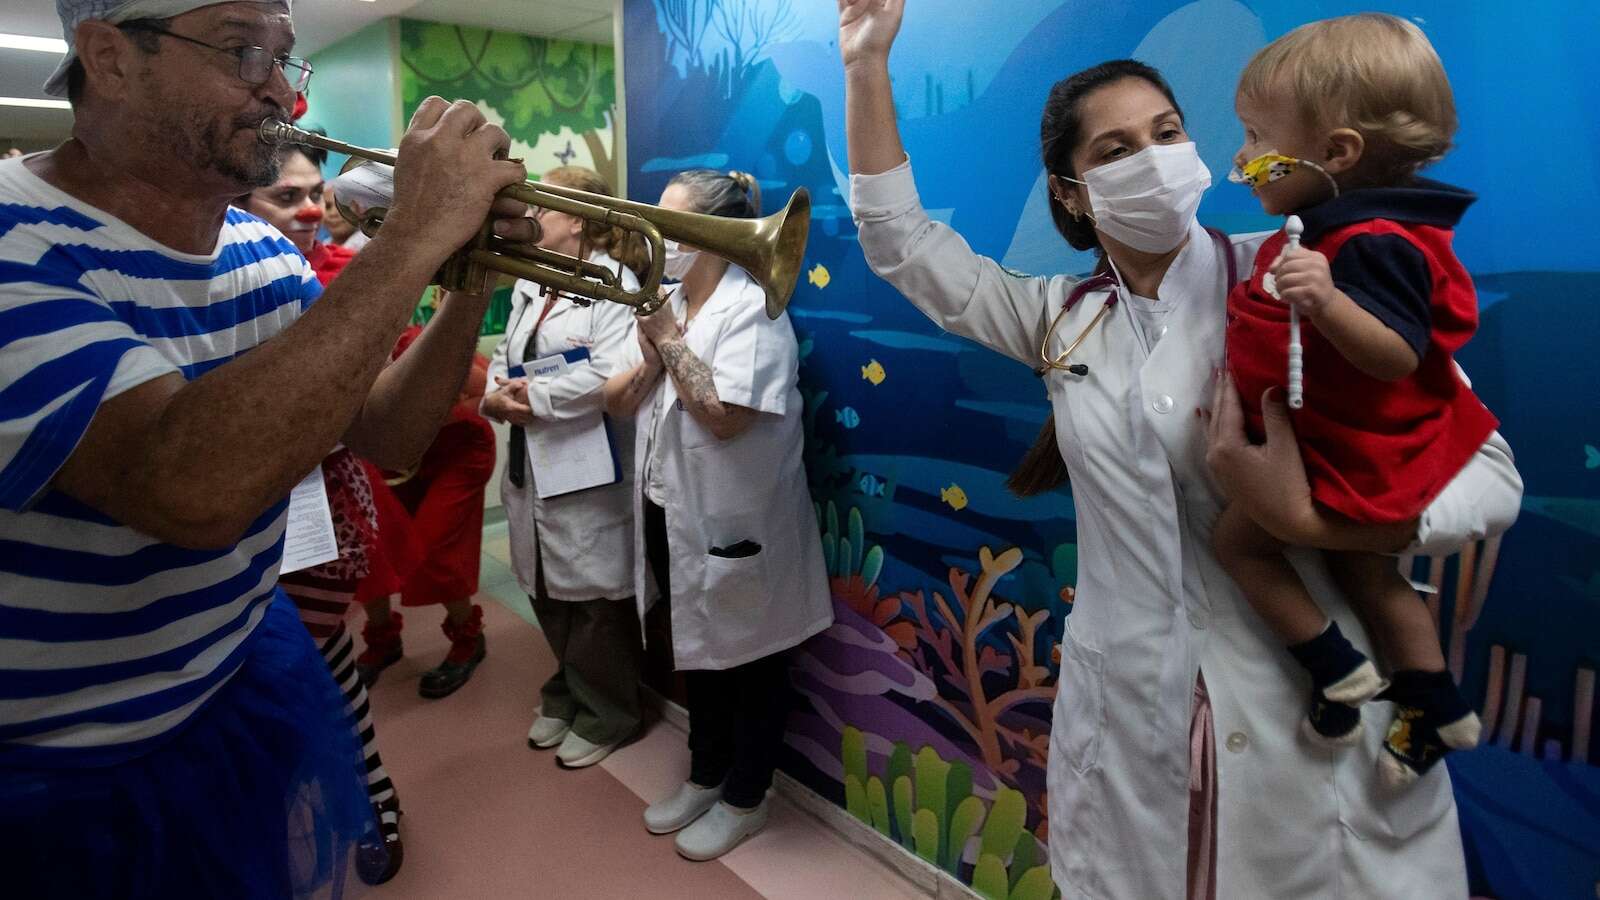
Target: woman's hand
{"type": "Point", "coordinates": [1268, 481]}
{"type": "Point", "coordinates": [652, 356]}
{"type": "Point", "coordinates": [867, 29]}
{"type": "Point", "coordinates": [660, 326]}
{"type": "Point", "coordinates": [508, 402]}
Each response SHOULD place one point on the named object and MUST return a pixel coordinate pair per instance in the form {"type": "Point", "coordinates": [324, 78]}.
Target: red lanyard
{"type": "Point", "coordinates": [528, 348]}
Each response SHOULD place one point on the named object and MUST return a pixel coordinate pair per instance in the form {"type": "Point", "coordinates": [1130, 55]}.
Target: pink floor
{"type": "Point", "coordinates": [486, 817]}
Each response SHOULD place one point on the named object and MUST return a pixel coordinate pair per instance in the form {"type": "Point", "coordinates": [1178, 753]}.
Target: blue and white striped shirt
{"type": "Point", "coordinates": [109, 638]}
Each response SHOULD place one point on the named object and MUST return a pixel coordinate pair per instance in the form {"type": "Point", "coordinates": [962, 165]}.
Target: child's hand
{"type": "Point", "coordinates": [1304, 282]}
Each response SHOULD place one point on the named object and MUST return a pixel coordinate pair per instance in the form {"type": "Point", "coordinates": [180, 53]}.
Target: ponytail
{"type": "Point", "coordinates": [629, 248]}
{"type": "Point", "coordinates": [751, 188]}
{"type": "Point", "coordinates": [1041, 469]}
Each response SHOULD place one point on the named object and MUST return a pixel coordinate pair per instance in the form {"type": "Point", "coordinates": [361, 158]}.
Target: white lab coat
{"type": "Point", "coordinates": [1154, 607]}
{"type": "Point", "coordinates": [727, 612]}
{"type": "Point", "coordinates": [585, 539]}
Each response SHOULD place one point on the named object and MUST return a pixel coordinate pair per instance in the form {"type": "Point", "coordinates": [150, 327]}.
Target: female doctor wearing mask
{"type": "Point", "coordinates": [1175, 768]}
{"type": "Point", "coordinates": [573, 553]}
{"type": "Point", "coordinates": [726, 523]}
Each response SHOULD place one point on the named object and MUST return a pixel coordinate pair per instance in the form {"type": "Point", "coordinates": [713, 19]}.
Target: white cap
{"type": "Point", "coordinates": [115, 12]}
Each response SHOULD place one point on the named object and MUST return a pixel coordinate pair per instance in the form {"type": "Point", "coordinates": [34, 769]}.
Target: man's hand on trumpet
{"type": "Point", "coordinates": [451, 166]}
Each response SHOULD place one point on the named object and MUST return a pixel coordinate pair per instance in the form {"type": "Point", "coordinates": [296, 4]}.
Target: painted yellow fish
{"type": "Point", "coordinates": [873, 372]}
{"type": "Point", "coordinates": [819, 276]}
{"type": "Point", "coordinates": [954, 495]}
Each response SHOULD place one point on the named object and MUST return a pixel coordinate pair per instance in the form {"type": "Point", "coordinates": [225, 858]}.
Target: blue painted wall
{"type": "Point", "coordinates": [355, 91]}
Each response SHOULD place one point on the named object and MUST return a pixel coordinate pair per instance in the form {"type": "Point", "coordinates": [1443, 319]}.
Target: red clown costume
{"type": "Point", "coordinates": [430, 522]}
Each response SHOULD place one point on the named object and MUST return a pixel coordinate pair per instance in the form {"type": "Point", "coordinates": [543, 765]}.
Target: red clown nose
{"type": "Point", "coordinates": [299, 106]}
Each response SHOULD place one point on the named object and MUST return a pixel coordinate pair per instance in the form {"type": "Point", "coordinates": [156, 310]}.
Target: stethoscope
{"type": "Point", "coordinates": [1102, 281]}
{"type": "Point", "coordinates": [1093, 283]}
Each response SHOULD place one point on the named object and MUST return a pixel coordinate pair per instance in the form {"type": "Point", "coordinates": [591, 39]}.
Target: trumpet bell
{"type": "Point", "coordinates": [783, 253]}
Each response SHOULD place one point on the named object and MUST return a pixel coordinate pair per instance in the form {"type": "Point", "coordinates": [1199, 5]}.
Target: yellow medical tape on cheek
{"type": "Point", "coordinates": [1267, 167]}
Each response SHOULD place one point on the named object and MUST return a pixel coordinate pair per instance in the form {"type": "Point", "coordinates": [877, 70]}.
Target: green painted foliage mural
{"type": "Point", "coordinates": [538, 86]}
{"type": "Point", "coordinates": [533, 81]}
{"type": "Point", "coordinates": [557, 99]}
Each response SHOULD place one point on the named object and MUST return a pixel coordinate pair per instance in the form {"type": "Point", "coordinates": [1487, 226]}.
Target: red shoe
{"type": "Point", "coordinates": [383, 647]}
{"type": "Point", "coordinates": [467, 649]}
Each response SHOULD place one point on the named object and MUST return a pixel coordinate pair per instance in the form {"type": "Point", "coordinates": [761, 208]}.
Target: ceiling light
{"type": "Point", "coordinates": [34, 104]}
{"type": "Point", "coordinates": [26, 42]}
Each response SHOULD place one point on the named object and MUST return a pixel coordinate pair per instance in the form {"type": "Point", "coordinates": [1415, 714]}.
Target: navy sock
{"type": "Point", "coordinates": [1435, 693]}
{"type": "Point", "coordinates": [1336, 721]}
{"type": "Point", "coordinates": [1328, 657]}
{"type": "Point", "coordinates": [1425, 703]}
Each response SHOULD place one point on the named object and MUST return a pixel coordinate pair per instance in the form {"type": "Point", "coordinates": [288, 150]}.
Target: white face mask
{"type": "Point", "coordinates": [1148, 200]}
{"type": "Point", "coordinates": [677, 262]}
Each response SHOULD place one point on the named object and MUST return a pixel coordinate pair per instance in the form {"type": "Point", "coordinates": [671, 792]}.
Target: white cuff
{"type": "Point", "coordinates": [884, 194]}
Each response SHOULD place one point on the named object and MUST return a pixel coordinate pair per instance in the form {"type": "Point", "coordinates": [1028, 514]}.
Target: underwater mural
{"type": "Point", "coordinates": [926, 709]}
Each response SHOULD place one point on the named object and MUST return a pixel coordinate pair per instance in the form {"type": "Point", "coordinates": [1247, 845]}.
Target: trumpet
{"type": "Point", "coordinates": [771, 249]}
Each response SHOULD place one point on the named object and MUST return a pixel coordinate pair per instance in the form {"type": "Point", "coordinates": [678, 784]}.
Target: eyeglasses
{"type": "Point", "coordinates": [255, 63]}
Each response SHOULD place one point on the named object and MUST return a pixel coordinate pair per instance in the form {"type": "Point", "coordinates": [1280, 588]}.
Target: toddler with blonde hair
{"type": "Point", "coordinates": [1339, 116]}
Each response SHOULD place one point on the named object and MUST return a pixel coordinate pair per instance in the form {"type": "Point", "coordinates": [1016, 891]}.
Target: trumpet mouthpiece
{"type": "Point", "coordinates": [275, 131]}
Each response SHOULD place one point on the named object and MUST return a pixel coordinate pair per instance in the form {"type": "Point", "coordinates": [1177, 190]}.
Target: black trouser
{"type": "Point", "coordinates": [737, 715]}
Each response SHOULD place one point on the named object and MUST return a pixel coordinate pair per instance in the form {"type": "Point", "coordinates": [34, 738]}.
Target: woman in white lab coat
{"type": "Point", "coordinates": [1162, 659]}
{"type": "Point", "coordinates": [725, 521]}
{"type": "Point", "coordinates": [573, 552]}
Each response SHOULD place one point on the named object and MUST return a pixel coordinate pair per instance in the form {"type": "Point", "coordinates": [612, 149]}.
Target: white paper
{"type": "Point", "coordinates": [570, 455]}
{"type": "Point", "coordinates": [309, 539]}
{"type": "Point", "coordinates": [366, 187]}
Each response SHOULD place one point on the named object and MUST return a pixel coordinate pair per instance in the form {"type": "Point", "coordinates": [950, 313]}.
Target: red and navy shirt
{"type": "Point", "coordinates": [1375, 451]}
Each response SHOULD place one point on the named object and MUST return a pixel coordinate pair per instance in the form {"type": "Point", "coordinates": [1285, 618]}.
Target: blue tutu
{"type": "Point", "coordinates": [261, 794]}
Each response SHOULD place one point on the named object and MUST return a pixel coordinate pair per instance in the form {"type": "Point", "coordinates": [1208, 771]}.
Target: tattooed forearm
{"type": "Point", "coordinates": [640, 384]}
{"type": "Point", "coordinates": [693, 377]}
{"type": "Point", "coordinates": [627, 390]}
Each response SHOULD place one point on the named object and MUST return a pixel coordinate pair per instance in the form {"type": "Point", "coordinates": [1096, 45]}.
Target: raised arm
{"type": "Point", "coordinates": [867, 29]}
{"type": "Point", "coordinates": [927, 261]}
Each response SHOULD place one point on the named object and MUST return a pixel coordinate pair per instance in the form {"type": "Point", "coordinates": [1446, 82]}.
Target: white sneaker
{"type": "Point", "coordinates": [687, 804]}
{"type": "Point", "coordinates": [577, 753]}
{"type": "Point", "coordinates": [547, 731]}
{"type": "Point", "coordinates": [721, 829]}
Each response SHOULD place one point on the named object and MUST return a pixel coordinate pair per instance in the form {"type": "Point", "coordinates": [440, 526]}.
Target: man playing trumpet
{"type": "Point", "coordinates": [169, 369]}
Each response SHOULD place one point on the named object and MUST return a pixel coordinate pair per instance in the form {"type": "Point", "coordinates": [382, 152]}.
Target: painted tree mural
{"type": "Point", "coordinates": [538, 86]}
